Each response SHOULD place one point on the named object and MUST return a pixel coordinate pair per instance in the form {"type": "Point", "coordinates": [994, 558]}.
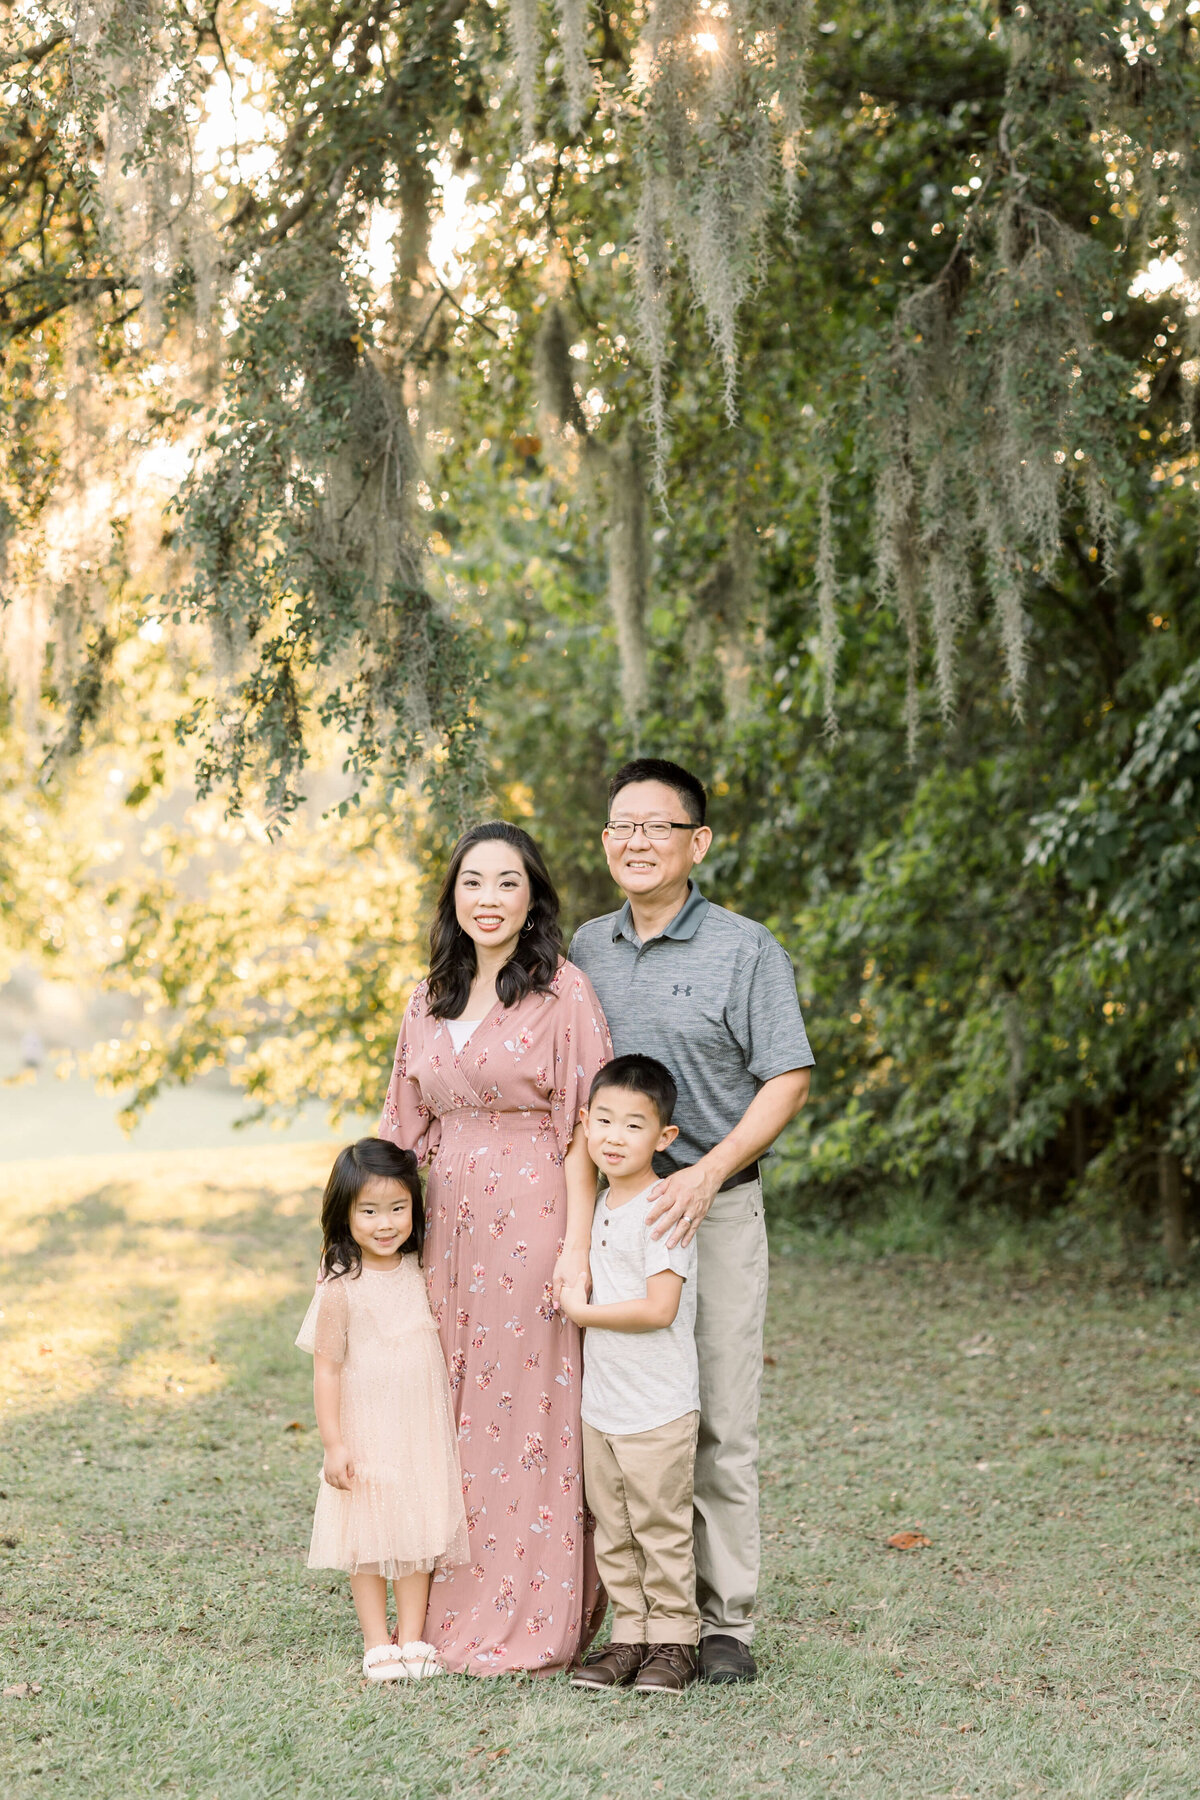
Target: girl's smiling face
{"type": "Point", "coordinates": [492, 895]}
{"type": "Point", "coordinates": [381, 1219]}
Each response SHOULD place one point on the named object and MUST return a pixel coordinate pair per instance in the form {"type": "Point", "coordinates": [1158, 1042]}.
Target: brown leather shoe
{"type": "Point", "coordinates": [724, 1658]}
{"type": "Point", "coordinates": [668, 1669]}
{"type": "Point", "coordinates": [613, 1666]}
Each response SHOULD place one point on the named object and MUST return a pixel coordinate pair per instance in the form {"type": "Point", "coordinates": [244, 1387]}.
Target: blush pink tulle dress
{"type": "Point", "coordinates": [496, 1120]}
{"type": "Point", "coordinates": [404, 1510]}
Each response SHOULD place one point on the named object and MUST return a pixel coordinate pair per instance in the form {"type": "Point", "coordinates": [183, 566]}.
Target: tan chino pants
{"type": "Point", "coordinates": [731, 1305]}
{"type": "Point", "coordinates": [639, 1486]}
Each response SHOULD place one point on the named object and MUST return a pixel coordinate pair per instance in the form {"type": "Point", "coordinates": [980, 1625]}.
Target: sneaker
{"type": "Point", "coordinates": [613, 1666]}
{"type": "Point", "coordinates": [724, 1658]}
{"type": "Point", "coordinates": [420, 1660]}
{"type": "Point", "coordinates": [668, 1669]}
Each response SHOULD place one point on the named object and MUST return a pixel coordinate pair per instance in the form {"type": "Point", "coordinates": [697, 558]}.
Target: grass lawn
{"type": "Point", "coordinates": [157, 1468]}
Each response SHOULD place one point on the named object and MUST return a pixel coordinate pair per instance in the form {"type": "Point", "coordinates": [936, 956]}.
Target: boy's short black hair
{"type": "Point", "coordinates": [689, 787]}
{"type": "Point", "coordinates": [640, 1075]}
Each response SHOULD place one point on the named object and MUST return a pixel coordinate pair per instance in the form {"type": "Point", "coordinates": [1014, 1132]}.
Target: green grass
{"type": "Point", "coordinates": [157, 1500]}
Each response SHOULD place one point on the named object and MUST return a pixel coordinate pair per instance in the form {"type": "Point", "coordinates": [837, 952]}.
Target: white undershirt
{"type": "Point", "coordinates": [460, 1030]}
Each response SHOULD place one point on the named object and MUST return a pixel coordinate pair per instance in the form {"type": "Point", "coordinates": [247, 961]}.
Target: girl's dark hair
{"type": "Point", "coordinates": [354, 1167]}
{"type": "Point", "coordinates": [533, 964]}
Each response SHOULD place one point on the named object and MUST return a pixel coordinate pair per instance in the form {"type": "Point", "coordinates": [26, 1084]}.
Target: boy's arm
{"type": "Point", "coordinates": [654, 1313]}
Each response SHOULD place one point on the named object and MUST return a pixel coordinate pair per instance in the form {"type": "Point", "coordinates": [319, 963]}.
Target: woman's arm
{"type": "Point", "coordinates": [580, 1172]}
{"type": "Point", "coordinates": [406, 1119]}
{"type": "Point", "coordinates": [654, 1313]}
{"type": "Point", "coordinates": [327, 1401]}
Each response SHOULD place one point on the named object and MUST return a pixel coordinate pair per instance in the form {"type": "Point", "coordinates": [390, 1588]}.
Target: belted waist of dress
{"type": "Point", "coordinates": [495, 1112]}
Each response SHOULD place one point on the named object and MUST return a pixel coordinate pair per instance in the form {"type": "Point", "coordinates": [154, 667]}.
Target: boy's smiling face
{"type": "Point", "coordinates": [623, 1132]}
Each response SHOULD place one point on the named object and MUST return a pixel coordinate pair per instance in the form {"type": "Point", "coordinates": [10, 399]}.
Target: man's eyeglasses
{"type": "Point", "coordinates": [658, 831]}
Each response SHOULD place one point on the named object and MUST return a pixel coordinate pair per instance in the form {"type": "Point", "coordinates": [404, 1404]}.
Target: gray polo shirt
{"type": "Point", "coordinates": [713, 997]}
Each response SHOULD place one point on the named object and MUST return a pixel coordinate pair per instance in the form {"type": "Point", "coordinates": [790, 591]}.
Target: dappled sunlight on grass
{"type": "Point", "coordinates": [128, 1282]}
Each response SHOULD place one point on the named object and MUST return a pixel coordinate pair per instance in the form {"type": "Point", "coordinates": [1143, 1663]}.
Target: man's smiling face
{"type": "Point", "coordinates": [639, 867]}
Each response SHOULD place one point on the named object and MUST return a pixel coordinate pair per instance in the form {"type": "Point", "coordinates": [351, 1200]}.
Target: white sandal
{"type": "Point", "coordinates": [420, 1660]}
{"type": "Point", "coordinates": [385, 1663]}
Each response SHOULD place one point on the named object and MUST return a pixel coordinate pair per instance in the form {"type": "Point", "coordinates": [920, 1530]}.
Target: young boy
{"type": "Point", "coordinates": [641, 1393]}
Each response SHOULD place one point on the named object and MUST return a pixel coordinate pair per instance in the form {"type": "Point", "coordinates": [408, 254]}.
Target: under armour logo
{"type": "Point", "coordinates": [677, 989]}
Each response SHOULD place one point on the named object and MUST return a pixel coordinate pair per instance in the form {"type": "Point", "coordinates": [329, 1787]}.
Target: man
{"type": "Point", "coordinates": [713, 996]}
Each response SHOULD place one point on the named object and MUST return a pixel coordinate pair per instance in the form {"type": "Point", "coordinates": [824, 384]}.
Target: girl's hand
{"type": "Point", "coordinates": [339, 1470]}
{"type": "Point", "coordinates": [572, 1265]}
{"type": "Point", "coordinates": [574, 1298]}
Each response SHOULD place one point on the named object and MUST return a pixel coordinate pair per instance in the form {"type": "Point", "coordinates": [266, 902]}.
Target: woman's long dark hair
{"type": "Point", "coordinates": [354, 1167]}
{"type": "Point", "coordinates": [533, 964]}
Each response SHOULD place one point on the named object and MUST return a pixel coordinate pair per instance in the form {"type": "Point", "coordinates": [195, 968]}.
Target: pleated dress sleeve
{"type": "Point", "coordinates": [582, 1046]}
{"type": "Point", "coordinates": [407, 1120]}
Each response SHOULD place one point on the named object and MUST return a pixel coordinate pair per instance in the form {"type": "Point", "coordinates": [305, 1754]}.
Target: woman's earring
{"type": "Point", "coordinates": [530, 923]}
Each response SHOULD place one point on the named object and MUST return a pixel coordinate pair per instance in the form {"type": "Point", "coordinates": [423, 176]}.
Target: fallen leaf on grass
{"type": "Point", "coordinates": [771, 1361]}
{"type": "Point", "coordinates": [909, 1540]}
{"type": "Point", "coordinates": [293, 1425]}
{"type": "Point", "coordinates": [495, 1755]}
{"type": "Point", "coordinates": [22, 1690]}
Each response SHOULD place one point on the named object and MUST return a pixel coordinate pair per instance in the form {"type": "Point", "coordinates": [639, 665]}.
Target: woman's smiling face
{"type": "Point", "coordinates": [492, 895]}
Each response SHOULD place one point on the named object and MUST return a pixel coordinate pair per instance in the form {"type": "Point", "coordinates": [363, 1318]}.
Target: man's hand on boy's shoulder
{"type": "Point", "coordinates": [679, 1203]}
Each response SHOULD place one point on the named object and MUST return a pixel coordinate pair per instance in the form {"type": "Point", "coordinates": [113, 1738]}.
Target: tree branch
{"type": "Point", "coordinates": [89, 288]}
{"type": "Point", "coordinates": [471, 318]}
{"type": "Point", "coordinates": [34, 53]}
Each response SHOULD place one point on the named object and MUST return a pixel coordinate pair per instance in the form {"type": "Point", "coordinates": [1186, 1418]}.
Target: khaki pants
{"type": "Point", "coordinates": [731, 1304]}
{"type": "Point", "coordinates": [639, 1486]}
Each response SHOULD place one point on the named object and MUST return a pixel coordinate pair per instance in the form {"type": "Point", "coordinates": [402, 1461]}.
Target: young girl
{"type": "Point", "coordinates": [390, 1503]}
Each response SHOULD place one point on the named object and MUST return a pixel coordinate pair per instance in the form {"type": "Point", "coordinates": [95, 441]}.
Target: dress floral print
{"type": "Point", "coordinates": [495, 1122]}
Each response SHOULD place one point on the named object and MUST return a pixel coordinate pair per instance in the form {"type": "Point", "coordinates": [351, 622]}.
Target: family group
{"type": "Point", "coordinates": [535, 1399]}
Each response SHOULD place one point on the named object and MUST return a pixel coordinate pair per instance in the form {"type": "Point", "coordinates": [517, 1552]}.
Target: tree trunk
{"type": "Point", "coordinates": [1079, 1155]}
{"type": "Point", "coordinates": [627, 559]}
{"type": "Point", "coordinates": [1174, 1220]}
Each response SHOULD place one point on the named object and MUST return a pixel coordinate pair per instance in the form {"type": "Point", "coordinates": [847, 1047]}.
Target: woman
{"type": "Point", "coordinates": [497, 1052]}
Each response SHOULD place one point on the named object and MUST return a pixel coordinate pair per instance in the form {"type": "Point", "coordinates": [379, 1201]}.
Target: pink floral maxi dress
{"type": "Point", "coordinates": [495, 1122]}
